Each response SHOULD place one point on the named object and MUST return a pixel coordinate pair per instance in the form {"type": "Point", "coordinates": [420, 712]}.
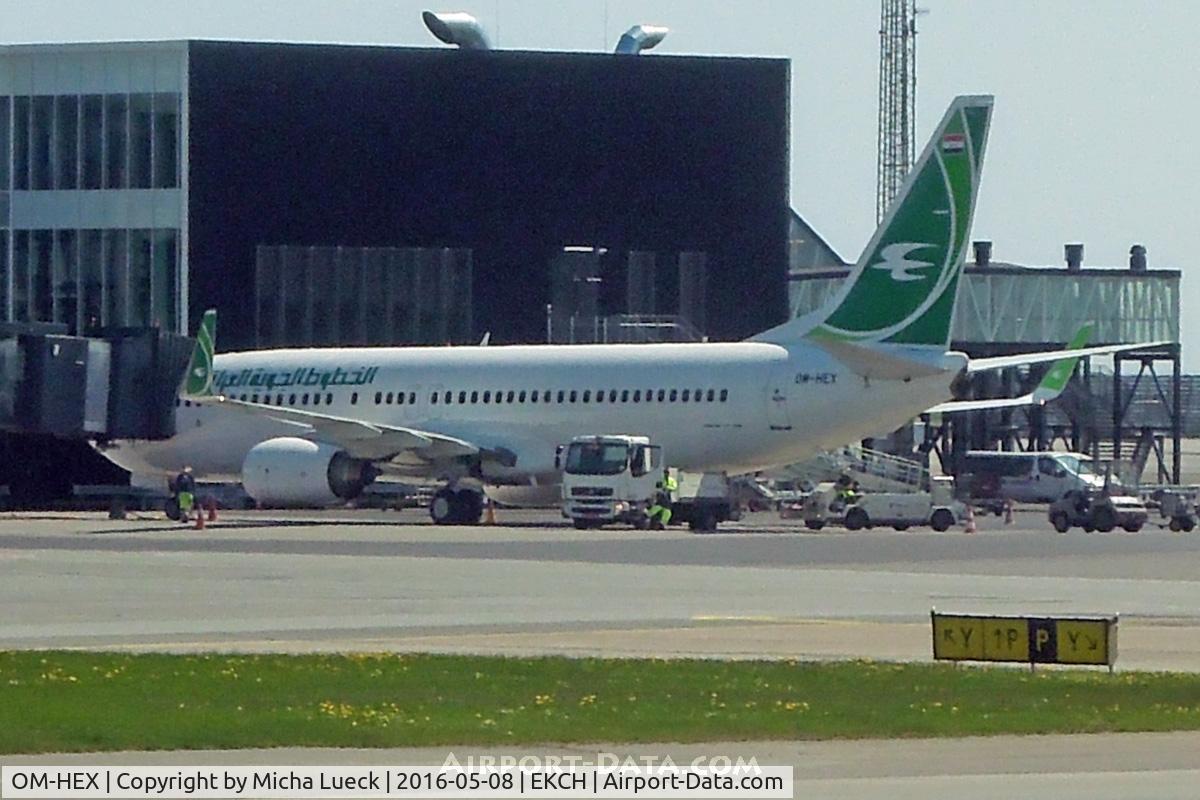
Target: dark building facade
{"type": "Point", "coordinates": [510, 156]}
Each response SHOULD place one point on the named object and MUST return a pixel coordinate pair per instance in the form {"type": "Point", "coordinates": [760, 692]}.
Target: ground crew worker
{"type": "Point", "coordinates": [844, 494]}
{"type": "Point", "coordinates": [185, 493]}
{"type": "Point", "coordinates": [660, 512]}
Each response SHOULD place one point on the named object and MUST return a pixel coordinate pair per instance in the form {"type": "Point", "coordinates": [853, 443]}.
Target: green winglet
{"type": "Point", "coordinates": [1060, 372]}
{"type": "Point", "coordinates": [199, 379]}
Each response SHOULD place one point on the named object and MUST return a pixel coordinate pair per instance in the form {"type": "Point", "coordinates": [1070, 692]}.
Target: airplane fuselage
{"type": "Point", "coordinates": [736, 407]}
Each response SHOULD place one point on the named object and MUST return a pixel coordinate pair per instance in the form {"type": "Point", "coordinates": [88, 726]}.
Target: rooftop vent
{"type": "Point", "coordinates": [457, 28]}
{"type": "Point", "coordinates": [639, 38]}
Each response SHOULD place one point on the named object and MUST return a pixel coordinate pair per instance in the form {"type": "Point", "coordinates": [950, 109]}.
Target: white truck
{"type": "Point", "coordinates": [936, 508]}
{"type": "Point", "coordinates": [613, 478]}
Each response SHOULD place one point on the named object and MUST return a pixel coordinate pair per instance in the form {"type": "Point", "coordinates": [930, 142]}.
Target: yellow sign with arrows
{"type": "Point", "coordinates": [1032, 640]}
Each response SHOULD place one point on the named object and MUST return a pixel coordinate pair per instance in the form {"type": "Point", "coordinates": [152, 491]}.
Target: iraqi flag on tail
{"type": "Point", "coordinates": [954, 143]}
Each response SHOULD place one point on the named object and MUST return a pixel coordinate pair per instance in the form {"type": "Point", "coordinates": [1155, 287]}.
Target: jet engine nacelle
{"type": "Point", "coordinates": [290, 471]}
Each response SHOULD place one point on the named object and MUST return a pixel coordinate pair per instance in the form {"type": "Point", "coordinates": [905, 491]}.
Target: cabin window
{"type": "Point", "coordinates": [573, 396]}
{"type": "Point", "coordinates": [291, 399]}
{"type": "Point", "coordinates": [546, 396]}
{"type": "Point", "coordinates": [388, 399]}
{"type": "Point", "coordinates": [587, 395]}
{"type": "Point", "coordinates": [662, 395]}
{"type": "Point", "coordinates": [354, 398]}
{"type": "Point", "coordinates": [474, 397]}
{"type": "Point", "coordinates": [487, 397]}
{"type": "Point", "coordinates": [316, 399]}
{"type": "Point", "coordinates": [412, 398]}
{"type": "Point", "coordinates": [724, 395]}
{"type": "Point", "coordinates": [637, 395]}
{"type": "Point", "coordinates": [329, 398]}
{"type": "Point", "coordinates": [433, 399]}
{"type": "Point", "coordinates": [462, 398]}
{"type": "Point", "coordinates": [624, 395]}
{"type": "Point", "coordinates": [378, 398]}
{"type": "Point", "coordinates": [511, 395]}
{"type": "Point", "coordinates": [560, 395]}
{"type": "Point", "coordinates": [710, 395]}
{"type": "Point", "coordinates": [686, 395]}
{"type": "Point", "coordinates": [698, 395]}
{"type": "Point", "coordinates": [674, 395]}
{"type": "Point", "coordinates": [304, 399]}
{"type": "Point", "coordinates": [521, 397]}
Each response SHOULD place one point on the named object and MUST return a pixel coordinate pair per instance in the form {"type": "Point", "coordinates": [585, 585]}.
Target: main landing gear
{"type": "Point", "coordinates": [462, 506]}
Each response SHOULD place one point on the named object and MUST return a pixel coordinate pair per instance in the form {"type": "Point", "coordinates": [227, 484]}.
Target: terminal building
{"type": "Point", "coordinates": [324, 195]}
{"type": "Point", "coordinates": [350, 195]}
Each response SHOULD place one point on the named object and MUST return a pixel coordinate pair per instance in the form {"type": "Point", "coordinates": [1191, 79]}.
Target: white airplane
{"type": "Point", "coordinates": [314, 426]}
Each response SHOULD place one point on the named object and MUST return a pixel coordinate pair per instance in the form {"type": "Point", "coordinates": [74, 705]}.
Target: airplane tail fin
{"type": "Point", "coordinates": [199, 379]}
{"type": "Point", "coordinates": [902, 289]}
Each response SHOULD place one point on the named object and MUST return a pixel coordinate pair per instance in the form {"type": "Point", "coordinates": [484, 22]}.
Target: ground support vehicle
{"type": "Point", "coordinates": [1175, 505]}
{"type": "Point", "coordinates": [1097, 510]}
{"type": "Point", "coordinates": [614, 479]}
{"type": "Point", "coordinates": [936, 508]}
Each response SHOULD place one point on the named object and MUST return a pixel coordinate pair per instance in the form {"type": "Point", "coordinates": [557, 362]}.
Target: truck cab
{"type": "Point", "coordinates": [615, 478]}
{"type": "Point", "coordinates": [610, 478]}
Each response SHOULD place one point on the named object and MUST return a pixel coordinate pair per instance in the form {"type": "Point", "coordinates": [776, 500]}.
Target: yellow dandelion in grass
{"type": "Point", "coordinates": [587, 700]}
{"type": "Point", "coordinates": [543, 699]}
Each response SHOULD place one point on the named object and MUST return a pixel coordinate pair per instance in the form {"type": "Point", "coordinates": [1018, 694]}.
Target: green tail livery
{"type": "Point", "coordinates": [199, 379]}
{"type": "Point", "coordinates": [902, 290]}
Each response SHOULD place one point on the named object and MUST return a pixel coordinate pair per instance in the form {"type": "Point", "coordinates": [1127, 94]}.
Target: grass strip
{"type": "Point", "coordinates": [74, 701]}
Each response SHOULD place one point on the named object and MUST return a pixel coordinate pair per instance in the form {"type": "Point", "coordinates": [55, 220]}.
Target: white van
{"type": "Point", "coordinates": [1027, 477]}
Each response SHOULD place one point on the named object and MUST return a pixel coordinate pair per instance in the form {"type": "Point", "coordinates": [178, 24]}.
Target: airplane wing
{"type": "Point", "coordinates": [1049, 387]}
{"type": "Point", "coordinates": [368, 440]}
{"type": "Point", "coordinates": [1021, 359]}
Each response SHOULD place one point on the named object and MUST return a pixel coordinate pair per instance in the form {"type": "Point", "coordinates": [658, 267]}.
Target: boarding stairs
{"type": "Point", "coordinates": [874, 470]}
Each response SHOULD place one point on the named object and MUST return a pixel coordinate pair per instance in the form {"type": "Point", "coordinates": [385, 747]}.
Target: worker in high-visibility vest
{"type": "Point", "coordinates": [660, 512]}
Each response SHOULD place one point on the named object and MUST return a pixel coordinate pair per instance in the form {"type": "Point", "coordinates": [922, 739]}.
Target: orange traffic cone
{"type": "Point", "coordinates": [970, 528]}
{"type": "Point", "coordinates": [490, 517]}
{"type": "Point", "coordinates": [199, 519]}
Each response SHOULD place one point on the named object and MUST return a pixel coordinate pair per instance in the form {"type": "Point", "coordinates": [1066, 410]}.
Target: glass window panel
{"type": "Point", "coordinates": [21, 143]}
{"type": "Point", "coordinates": [41, 142]}
{"type": "Point", "coordinates": [116, 276]}
{"type": "Point", "coordinates": [116, 128]}
{"type": "Point", "coordinates": [141, 142]}
{"type": "Point", "coordinates": [166, 141]}
{"type": "Point", "coordinates": [65, 276]}
{"type": "Point", "coordinates": [42, 298]}
{"type": "Point", "coordinates": [139, 277]}
{"type": "Point", "coordinates": [5, 142]}
{"type": "Point", "coordinates": [163, 279]}
{"type": "Point", "coordinates": [20, 267]}
{"type": "Point", "coordinates": [92, 154]}
{"type": "Point", "coordinates": [91, 279]}
{"type": "Point", "coordinates": [66, 141]}
{"type": "Point", "coordinates": [4, 274]}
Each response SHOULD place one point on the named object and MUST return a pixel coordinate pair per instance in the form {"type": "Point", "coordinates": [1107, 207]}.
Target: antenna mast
{"type": "Point", "coordinates": [897, 99]}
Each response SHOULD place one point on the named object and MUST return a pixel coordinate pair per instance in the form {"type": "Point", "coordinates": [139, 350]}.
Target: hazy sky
{"type": "Point", "coordinates": [1092, 138]}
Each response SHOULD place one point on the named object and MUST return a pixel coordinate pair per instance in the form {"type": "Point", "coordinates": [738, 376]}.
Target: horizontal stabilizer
{"type": "Point", "coordinates": [890, 364]}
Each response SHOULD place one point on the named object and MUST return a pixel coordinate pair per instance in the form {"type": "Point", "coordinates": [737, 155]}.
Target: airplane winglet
{"type": "Point", "coordinates": [198, 381]}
